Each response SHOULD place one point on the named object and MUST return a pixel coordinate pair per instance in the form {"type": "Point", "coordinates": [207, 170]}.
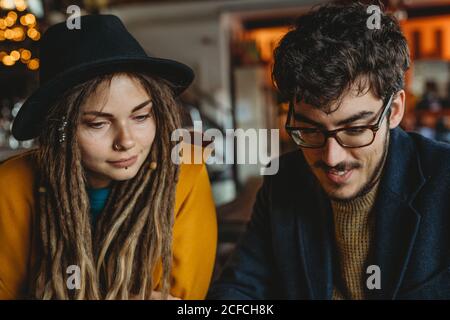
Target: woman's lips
{"type": "Point", "coordinates": [123, 164]}
{"type": "Point", "coordinates": [338, 177]}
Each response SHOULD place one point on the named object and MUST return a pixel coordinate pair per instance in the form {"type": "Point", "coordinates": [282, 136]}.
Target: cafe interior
{"type": "Point", "coordinates": [229, 45]}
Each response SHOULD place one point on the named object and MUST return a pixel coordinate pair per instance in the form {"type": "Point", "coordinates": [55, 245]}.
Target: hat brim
{"type": "Point", "coordinates": [30, 118]}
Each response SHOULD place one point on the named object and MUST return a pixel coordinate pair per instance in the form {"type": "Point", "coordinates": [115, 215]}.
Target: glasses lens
{"type": "Point", "coordinates": [355, 137]}
{"type": "Point", "coordinates": [308, 138]}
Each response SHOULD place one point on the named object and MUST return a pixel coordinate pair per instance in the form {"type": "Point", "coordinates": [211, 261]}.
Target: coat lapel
{"type": "Point", "coordinates": [314, 225]}
{"type": "Point", "coordinates": [397, 221]}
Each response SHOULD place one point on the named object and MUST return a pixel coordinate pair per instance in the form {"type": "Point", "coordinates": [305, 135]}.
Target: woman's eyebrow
{"type": "Point", "coordinates": [109, 115]}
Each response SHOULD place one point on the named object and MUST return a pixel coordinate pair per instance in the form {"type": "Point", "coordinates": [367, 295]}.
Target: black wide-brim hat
{"type": "Point", "coordinates": [69, 57]}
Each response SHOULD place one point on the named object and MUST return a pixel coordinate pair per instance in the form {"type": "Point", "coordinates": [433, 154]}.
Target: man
{"type": "Point", "coordinates": [362, 210]}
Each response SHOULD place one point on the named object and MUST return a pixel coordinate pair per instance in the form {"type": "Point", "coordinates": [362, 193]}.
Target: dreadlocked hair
{"type": "Point", "coordinates": [133, 236]}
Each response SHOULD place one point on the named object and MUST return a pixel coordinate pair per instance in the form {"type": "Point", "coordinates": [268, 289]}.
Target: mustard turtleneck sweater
{"type": "Point", "coordinates": [354, 229]}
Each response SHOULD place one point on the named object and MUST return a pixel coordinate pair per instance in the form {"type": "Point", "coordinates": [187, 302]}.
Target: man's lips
{"type": "Point", "coordinates": [338, 176]}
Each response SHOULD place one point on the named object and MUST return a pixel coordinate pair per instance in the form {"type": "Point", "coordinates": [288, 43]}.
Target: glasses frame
{"type": "Point", "coordinates": [333, 133]}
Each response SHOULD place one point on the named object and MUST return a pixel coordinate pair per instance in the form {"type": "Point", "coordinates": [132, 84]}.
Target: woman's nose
{"type": "Point", "coordinates": [124, 138]}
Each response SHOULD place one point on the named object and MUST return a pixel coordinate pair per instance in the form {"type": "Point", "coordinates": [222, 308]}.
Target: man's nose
{"type": "Point", "coordinates": [333, 153]}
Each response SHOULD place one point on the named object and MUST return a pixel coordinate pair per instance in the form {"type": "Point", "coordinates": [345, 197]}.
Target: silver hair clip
{"type": "Point", "coordinates": [62, 130]}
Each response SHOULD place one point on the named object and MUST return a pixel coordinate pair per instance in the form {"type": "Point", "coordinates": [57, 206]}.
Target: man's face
{"type": "Point", "coordinates": [119, 115]}
{"type": "Point", "coordinates": [346, 173]}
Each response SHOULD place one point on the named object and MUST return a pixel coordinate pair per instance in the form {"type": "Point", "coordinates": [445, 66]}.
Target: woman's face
{"type": "Point", "coordinates": [116, 123]}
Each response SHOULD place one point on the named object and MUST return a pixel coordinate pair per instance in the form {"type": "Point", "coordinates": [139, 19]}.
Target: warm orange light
{"type": "Point", "coordinates": [2, 35]}
{"type": "Point", "coordinates": [32, 33]}
{"type": "Point", "coordinates": [285, 107]}
{"type": "Point", "coordinates": [23, 21]}
{"type": "Point", "coordinates": [20, 5]}
{"type": "Point", "coordinates": [8, 60]}
{"type": "Point", "coordinates": [2, 24]}
{"type": "Point", "coordinates": [19, 35]}
{"type": "Point", "coordinates": [7, 4]}
{"type": "Point", "coordinates": [2, 54]}
{"type": "Point", "coordinates": [266, 39]}
{"type": "Point", "coordinates": [9, 34]}
{"type": "Point", "coordinates": [21, 8]}
{"type": "Point", "coordinates": [15, 55]}
{"type": "Point", "coordinates": [26, 54]}
{"type": "Point", "coordinates": [12, 15]}
{"type": "Point", "coordinates": [30, 19]}
{"type": "Point", "coordinates": [9, 21]}
{"type": "Point", "coordinates": [426, 27]}
{"type": "Point", "coordinates": [33, 64]}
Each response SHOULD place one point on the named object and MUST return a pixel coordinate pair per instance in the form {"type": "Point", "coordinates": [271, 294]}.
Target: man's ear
{"type": "Point", "coordinates": [397, 109]}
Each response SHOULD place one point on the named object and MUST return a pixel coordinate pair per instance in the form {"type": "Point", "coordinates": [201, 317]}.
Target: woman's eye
{"type": "Point", "coordinates": [142, 118]}
{"type": "Point", "coordinates": [96, 125]}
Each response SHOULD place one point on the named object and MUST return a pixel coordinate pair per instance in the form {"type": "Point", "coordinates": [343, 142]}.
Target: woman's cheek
{"type": "Point", "coordinates": [146, 133]}
{"type": "Point", "coordinates": [91, 145]}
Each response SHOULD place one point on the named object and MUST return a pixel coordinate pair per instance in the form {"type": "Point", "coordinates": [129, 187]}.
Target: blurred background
{"type": "Point", "coordinates": [229, 45]}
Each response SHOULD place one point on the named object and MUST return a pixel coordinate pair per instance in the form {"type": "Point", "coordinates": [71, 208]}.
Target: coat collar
{"type": "Point", "coordinates": [395, 227]}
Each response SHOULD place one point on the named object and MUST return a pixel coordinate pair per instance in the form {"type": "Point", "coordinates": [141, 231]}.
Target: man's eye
{"type": "Point", "coordinates": [355, 131]}
{"type": "Point", "coordinates": [310, 130]}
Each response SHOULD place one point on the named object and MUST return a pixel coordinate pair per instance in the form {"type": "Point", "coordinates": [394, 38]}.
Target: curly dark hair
{"type": "Point", "coordinates": [330, 49]}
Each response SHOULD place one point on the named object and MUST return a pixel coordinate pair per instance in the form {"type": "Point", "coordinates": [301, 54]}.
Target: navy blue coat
{"type": "Point", "coordinates": [287, 251]}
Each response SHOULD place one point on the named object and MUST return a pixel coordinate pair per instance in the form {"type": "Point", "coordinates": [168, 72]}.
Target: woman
{"type": "Point", "coordinates": [144, 228]}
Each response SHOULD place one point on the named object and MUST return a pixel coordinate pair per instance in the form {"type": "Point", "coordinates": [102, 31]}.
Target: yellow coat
{"type": "Point", "coordinates": [194, 233]}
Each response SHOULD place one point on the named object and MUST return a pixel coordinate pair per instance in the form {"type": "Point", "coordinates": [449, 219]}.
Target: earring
{"type": "Point", "coordinates": [152, 165]}
{"type": "Point", "coordinates": [62, 130]}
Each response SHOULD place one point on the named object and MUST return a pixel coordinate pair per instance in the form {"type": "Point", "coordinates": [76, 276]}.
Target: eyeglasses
{"type": "Point", "coordinates": [348, 137]}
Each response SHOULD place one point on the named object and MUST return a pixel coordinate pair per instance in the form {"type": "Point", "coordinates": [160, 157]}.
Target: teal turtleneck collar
{"type": "Point", "coordinates": [97, 199]}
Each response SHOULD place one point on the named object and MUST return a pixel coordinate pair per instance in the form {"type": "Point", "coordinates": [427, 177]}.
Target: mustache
{"type": "Point", "coordinates": [342, 166]}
